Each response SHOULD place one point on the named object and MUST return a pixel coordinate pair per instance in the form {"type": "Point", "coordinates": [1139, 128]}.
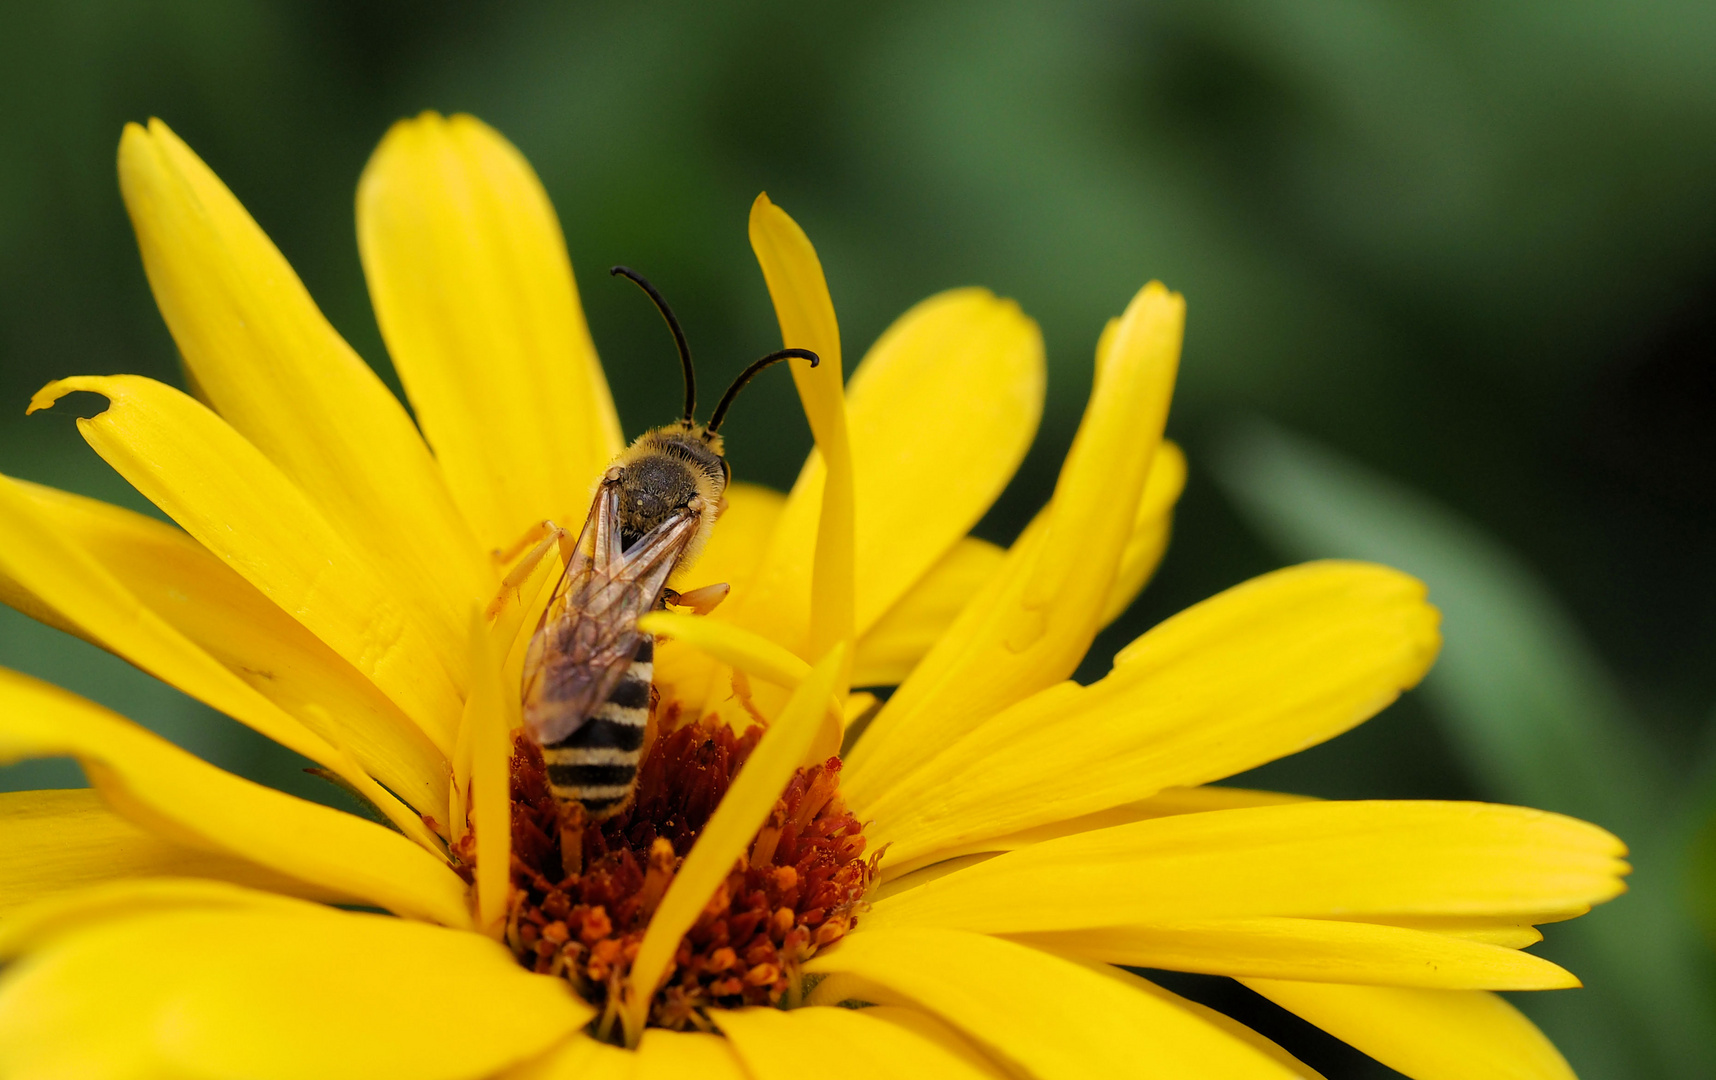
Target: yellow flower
{"type": "Point", "coordinates": [331, 587]}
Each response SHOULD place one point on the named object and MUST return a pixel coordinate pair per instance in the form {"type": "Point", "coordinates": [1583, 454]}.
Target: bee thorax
{"type": "Point", "coordinates": [668, 471]}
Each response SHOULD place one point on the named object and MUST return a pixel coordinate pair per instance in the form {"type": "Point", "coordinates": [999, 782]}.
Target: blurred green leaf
{"type": "Point", "coordinates": [1535, 714]}
{"type": "Point", "coordinates": [1539, 721]}
{"type": "Point", "coordinates": [1701, 878]}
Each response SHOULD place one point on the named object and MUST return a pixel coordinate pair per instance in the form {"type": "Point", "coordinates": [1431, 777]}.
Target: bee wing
{"type": "Point", "coordinates": [588, 634]}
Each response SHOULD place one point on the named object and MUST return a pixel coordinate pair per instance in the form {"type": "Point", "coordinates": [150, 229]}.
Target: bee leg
{"type": "Point", "coordinates": [572, 821]}
{"type": "Point", "coordinates": [701, 600]}
{"type": "Point", "coordinates": [516, 577]}
{"type": "Point", "coordinates": [531, 535]}
{"type": "Point", "coordinates": [741, 684]}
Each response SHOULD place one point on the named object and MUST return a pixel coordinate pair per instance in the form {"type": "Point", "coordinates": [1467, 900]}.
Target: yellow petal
{"type": "Point", "coordinates": [1426, 1034]}
{"type": "Point", "coordinates": [514, 614]}
{"type": "Point", "coordinates": [806, 316]}
{"type": "Point", "coordinates": [1315, 950]}
{"type": "Point", "coordinates": [512, 669]}
{"type": "Point", "coordinates": [733, 553]}
{"type": "Point", "coordinates": [265, 359]}
{"type": "Point", "coordinates": [202, 598]}
{"type": "Point", "coordinates": [1150, 527]}
{"type": "Point", "coordinates": [1310, 859]}
{"type": "Point", "coordinates": [36, 926]}
{"type": "Point", "coordinates": [17, 597]}
{"type": "Point", "coordinates": [579, 1058]}
{"type": "Point", "coordinates": [1033, 627]}
{"type": "Point", "coordinates": [84, 594]}
{"type": "Point", "coordinates": [1226, 1023]}
{"type": "Point", "coordinates": [1202, 800]}
{"type": "Point", "coordinates": [681, 1055]}
{"type": "Point", "coordinates": [929, 1026]}
{"type": "Point", "coordinates": [899, 877]}
{"type": "Point", "coordinates": [734, 646]}
{"type": "Point", "coordinates": [459, 787]}
{"type": "Point", "coordinates": [210, 480]}
{"type": "Point", "coordinates": [275, 994]}
{"type": "Point", "coordinates": [857, 705]}
{"type": "Point", "coordinates": [187, 800]}
{"type": "Point", "coordinates": [941, 410]}
{"type": "Point", "coordinates": [1265, 669]}
{"type": "Point", "coordinates": [894, 643]}
{"type": "Point", "coordinates": [843, 1044]}
{"type": "Point", "coordinates": [923, 875]}
{"type": "Point", "coordinates": [1513, 932]}
{"type": "Point", "coordinates": [1038, 1014]}
{"type": "Point", "coordinates": [906, 632]}
{"type": "Point", "coordinates": [474, 293]}
{"type": "Point", "coordinates": [61, 841]}
{"type": "Point", "coordinates": [490, 744]}
{"type": "Point", "coordinates": [741, 532]}
{"type": "Point", "coordinates": [40, 561]}
{"type": "Point", "coordinates": [754, 655]}
{"type": "Point", "coordinates": [729, 831]}
{"type": "Point", "coordinates": [1196, 800]}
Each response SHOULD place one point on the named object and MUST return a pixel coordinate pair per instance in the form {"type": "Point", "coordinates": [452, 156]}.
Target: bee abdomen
{"type": "Point", "coordinates": [597, 765]}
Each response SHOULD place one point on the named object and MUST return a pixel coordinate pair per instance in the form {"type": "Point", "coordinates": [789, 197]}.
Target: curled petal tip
{"type": "Point", "coordinates": [47, 396]}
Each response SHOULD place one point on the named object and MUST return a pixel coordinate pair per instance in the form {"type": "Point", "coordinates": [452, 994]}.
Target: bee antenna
{"type": "Point", "coordinates": [747, 375]}
{"type": "Point", "coordinates": [672, 324]}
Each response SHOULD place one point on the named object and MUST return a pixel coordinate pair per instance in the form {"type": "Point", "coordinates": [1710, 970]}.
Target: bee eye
{"type": "Point", "coordinates": [726, 472]}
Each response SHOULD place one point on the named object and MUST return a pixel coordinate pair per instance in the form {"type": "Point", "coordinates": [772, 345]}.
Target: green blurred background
{"type": "Point", "coordinates": [1451, 274]}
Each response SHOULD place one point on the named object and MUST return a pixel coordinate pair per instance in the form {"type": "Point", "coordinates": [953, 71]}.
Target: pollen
{"type": "Point", "coordinates": [583, 893]}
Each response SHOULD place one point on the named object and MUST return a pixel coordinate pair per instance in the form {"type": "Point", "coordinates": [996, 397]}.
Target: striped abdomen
{"type": "Point", "coordinates": [597, 764]}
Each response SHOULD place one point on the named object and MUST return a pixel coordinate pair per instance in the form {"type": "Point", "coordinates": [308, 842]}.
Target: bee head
{"type": "Point", "coordinates": [666, 469]}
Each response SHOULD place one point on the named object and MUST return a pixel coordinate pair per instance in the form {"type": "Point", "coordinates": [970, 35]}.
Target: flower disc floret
{"type": "Point", "coordinates": [582, 915]}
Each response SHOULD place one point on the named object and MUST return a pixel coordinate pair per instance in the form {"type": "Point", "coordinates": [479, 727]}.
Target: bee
{"type": "Point", "coordinates": [588, 671]}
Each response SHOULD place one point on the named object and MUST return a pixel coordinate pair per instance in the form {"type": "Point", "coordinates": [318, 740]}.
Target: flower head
{"type": "Point", "coordinates": [996, 843]}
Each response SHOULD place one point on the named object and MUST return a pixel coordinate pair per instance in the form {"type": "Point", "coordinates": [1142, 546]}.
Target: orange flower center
{"type": "Point", "coordinates": [582, 914]}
